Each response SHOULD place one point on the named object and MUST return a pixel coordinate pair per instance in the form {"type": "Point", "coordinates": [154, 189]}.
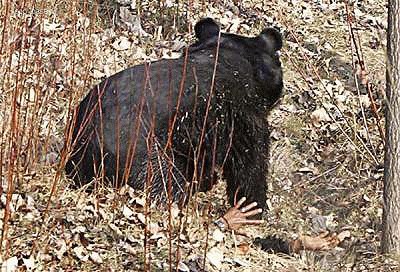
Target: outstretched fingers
{"type": "Point", "coordinates": [248, 207]}
{"type": "Point", "coordinates": [252, 212]}
{"type": "Point", "coordinates": [240, 202]}
{"type": "Point", "coordinates": [237, 216]}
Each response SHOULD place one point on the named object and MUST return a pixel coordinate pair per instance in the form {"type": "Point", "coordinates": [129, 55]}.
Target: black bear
{"type": "Point", "coordinates": [167, 126]}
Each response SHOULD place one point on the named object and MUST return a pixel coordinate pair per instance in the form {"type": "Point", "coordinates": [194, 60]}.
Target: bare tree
{"type": "Point", "coordinates": [391, 194]}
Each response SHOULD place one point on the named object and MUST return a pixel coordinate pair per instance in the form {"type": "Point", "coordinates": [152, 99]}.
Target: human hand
{"type": "Point", "coordinates": [237, 216]}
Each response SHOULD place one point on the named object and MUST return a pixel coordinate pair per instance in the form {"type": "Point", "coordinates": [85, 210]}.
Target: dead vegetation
{"type": "Point", "coordinates": [326, 161]}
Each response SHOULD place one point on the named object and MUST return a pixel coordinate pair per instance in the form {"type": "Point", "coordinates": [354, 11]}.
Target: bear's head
{"type": "Point", "coordinates": [262, 52]}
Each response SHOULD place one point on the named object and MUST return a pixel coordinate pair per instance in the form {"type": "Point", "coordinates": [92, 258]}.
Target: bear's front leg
{"type": "Point", "coordinates": [246, 169]}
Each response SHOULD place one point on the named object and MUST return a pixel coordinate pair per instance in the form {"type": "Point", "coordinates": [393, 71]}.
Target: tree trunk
{"type": "Point", "coordinates": [391, 193]}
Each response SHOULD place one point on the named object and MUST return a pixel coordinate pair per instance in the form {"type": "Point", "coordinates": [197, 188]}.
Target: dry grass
{"type": "Point", "coordinates": [322, 167]}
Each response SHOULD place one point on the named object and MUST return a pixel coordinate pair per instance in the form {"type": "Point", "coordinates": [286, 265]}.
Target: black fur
{"type": "Point", "coordinates": [273, 244]}
{"type": "Point", "coordinates": [166, 125]}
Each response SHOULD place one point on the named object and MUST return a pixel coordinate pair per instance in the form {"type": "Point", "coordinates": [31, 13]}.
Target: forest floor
{"type": "Point", "coordinates": [326, 157]}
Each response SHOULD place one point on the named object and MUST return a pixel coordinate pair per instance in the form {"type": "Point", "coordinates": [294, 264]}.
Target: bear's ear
{"type": "Point", "coordinates": [206, 28]}
{"type": "Point", "coordinates": [272, 37]}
